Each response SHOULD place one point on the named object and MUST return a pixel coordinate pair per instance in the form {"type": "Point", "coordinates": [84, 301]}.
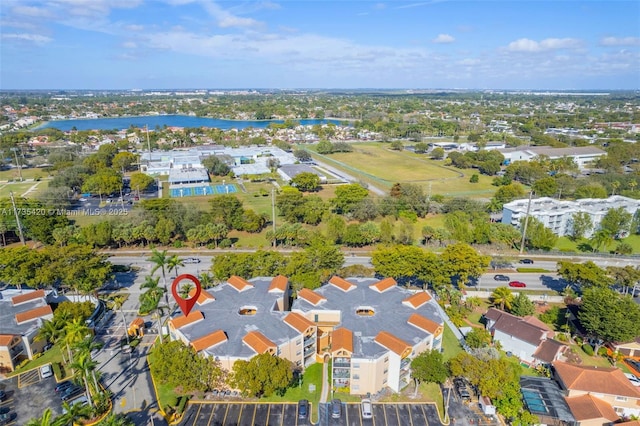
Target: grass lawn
{"type": "Point", "coordinates": [312, 375]}
{"type": "Point", "coordinates": [30, 173]}
{"type": "Point", "coordinates": [565, 244]}
{"type": "Point", "coordinates": [378, 165]}
{"type": "Point", "coordinates": [21, 189]}
{"type": "Point", "coordinates": [165, 392]}
{"type": "Point", "coordinates": [450, 344]}
{"type": "Point", "coordinates": [597, 361]}
{"type": "Point", "coordinates": [52, 355]}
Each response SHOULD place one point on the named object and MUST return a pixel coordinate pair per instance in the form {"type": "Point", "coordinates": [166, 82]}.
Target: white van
{"type": "Point", "coordinates": [366, 409]}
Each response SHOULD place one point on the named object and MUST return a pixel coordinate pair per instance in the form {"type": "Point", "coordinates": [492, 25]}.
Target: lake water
{"type": "Point", "coordinates": [169, 120]}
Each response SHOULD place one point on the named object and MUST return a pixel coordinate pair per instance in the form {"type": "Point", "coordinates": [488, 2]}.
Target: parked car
{"type": "Point", "coordinates": [46, 371]}
{"type": "Point", "coordinates": [7, 418]}
{"type": "Point", "coordinates": [191, 260]}
{"type": "Point", "coordinates": [3, 395]}
{"type": "Point", "coordinates": [72, 393]}
{"type": "Point", "coordinates": [303, 409]}
{"type": "Point", "coordinates": [365, 405]}
{"type": "Point", "coordinates": [517, 284]}
{"type": "Point", "coordinates": [633, 379]}
{"type": "Point", "coordinates": [500, 277]}
{"type": "Point", "coordinates": [62, 386]}
{"type": "Point", "coordinates": [82, 401]}
{"type": "Point", "coordinates": [336, 408]}
{"type": "Point", "coordinates": [526, 261]}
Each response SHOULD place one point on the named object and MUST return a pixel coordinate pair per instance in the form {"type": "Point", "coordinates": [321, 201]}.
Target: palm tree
{"type": "Point", "coordinates": [116, 420]}
{"type": "Point", "coordinates": [45, 420]}
{"type": "Point", "coordinates": [50, 332]}
{"type": "Point", "coordinates": [86, 366]}
{"type": "Point", "coordinates": [161, 261]}
{"type": "Point", "coordinates": [84, 348]}
{"type": "Point", "coordinates": [173, 263]}
{"type": "Point", "coordinates": [206, 280]}
{"type": "Point", "coordinates": [74, 332]}
{"type": "Point", "coordinates": [502, 297]}
{"type": "Point", "coordinates": [118, 301]}
{"type": "Point", "coordinates": [75, 413]}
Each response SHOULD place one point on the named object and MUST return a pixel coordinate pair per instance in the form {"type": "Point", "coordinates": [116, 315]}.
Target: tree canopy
{"type": "Point", "coordinates": [262, 375]}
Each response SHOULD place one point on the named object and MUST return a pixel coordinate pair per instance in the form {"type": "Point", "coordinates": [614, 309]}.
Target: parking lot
{"type": "Point", "coordinates": [28, 395]}
{"type": "Point", "coordinates": [250, 414]}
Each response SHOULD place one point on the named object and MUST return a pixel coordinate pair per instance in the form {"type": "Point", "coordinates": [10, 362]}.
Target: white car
{"type": "Point", "coordinates": [366, 409]}
{"type": "Point", "coordinates": [633, 379]}
{"type": "Point", "coordinates": [45, 371]}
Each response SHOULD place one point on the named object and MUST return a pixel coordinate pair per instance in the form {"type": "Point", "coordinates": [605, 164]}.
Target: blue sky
{"type": "Point", "coordinates": [146, 44]}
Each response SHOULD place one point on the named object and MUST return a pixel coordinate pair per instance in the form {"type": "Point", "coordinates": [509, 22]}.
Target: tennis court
{"type": "Point", "coordinates": [190, 191]}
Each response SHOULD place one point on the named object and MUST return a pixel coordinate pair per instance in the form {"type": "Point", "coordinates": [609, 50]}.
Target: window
{"type": "Point", "coordinates": [299, 353]}
{"type": "Point", "coordinates": [385, 371]}
{"type": "Point", "coordinates": [356, 377]}
{"type": "Point", "coordinates": [386, 359]}
{"type": "Point", "coordinates": [384, 382]}
{"type": "Point", "coordinates": [621, 398]}
{"type": "Point", "coordinates": [299, 342]}
{"type": "Point", "coordinates": [355, 387]}
{"type": "Point", "coordinates": [355, 366]}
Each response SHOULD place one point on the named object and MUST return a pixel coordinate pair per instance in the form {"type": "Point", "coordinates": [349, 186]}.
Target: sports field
{"type": "Point", "coordinates": [378, 165]}
{"type": "Point", "coordinates": [22, 189]}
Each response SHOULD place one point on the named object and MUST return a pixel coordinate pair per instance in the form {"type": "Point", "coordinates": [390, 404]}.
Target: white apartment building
{"type": "Point", "coordinates": [558, 215]}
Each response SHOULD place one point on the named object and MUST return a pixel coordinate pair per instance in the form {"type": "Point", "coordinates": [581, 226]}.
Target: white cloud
{"type": "Point", "coordinates": [129, 45]}
{"type": "Point", "coordinates": [443, 39]}
{"type": "Point", "coordinates": [620, 41]}
{"type": "Point", "coordinates": [32, 11]}
{"type": "Point", "coordinates": [31, 38]}
{"type": "Point", "coordinates": [134, 27]}
{"type": "Point", "coordinates": [527, 45]}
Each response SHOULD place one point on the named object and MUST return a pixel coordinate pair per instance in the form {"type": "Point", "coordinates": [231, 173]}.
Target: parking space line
{"type": "Point", "coordinates": [384, 410]}
{"type": "Point", "coordinates": [239, 414]}
{"type": "Point", "coordinates": [282, 419]}
{"type": "Point", "coordinates": [268, 412]}
{"type": "Point", "coordinates": [213, 410]}
{"type": "Point", "coordinates": [424, 413]}
{"type": "Point", "coordinates": [410, 417]}
{"type": "Point", "coordinates": [224, 419]}
{"type": "Point", "coordinates": [195, 418]}
{"type": "Point", "coordinates": [253, 418]}
{"type": "Point", "coordinates": [397, 413]}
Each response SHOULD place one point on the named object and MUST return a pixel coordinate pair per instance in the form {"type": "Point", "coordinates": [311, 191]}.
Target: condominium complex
{"type": "Point", "coordinates": [558, 215]}
{"type": "Point", "coordinates": [369, 328]}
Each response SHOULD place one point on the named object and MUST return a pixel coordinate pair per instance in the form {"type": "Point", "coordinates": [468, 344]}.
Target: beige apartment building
{"type": "Point", "coordinates": [369, 328]}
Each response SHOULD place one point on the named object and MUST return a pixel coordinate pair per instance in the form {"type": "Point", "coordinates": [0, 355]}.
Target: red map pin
{"type": "Point", "coordinates": [186, 304]}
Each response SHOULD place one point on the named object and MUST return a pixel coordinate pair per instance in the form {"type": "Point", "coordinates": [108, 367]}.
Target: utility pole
{"type": "Point", "coordinates": [273, 214]}
{"type": "Point", "coordinates": [526, 222]}
{"type": "Point", "coordinates": [15, 152]}
{"type": "Point", "coordinates": [15, 212]}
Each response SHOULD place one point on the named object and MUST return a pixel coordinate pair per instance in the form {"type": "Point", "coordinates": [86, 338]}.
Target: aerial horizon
{"type": "Point", "coordinates": [317, 45]}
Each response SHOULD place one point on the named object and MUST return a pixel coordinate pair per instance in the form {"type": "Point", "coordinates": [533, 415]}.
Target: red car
{"type": "Point", "coordinates": [517, 284]}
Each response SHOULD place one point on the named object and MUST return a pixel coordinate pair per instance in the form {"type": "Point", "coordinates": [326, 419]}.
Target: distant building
{"type": "Point", "coordinates": [557, 215]}
{"type": "Point", "coordinates": [289, 171]}
{"type": "Point", "coordinates": [583, 156]}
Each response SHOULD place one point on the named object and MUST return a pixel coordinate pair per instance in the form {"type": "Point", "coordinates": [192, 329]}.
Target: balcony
{"type": "Point", "coordinates": [309, 341]}
{"type": "Point", "coordinates": [341, 374]}
{"type": "Point", "coordinates": [341, 383]}
{"type": "Point", "coordinates": [309, 351]}
{"type": "Point", "coordinates": [405, 364]}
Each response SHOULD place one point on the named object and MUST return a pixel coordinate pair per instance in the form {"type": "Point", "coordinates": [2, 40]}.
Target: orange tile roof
{"type": "Point", "coordinates": [32, 314]}
{"type": "Point", "coordinates": [238, 283]}
{"type": "Point", "coordinates": [203, 297]}
{"type": "Point", "coordinates": [588, 407]}
{"type": "Point", "coordinates": [341, 283]}
{"type": "Point", "coordinates": [629, 423]}
{"type": "Point", "coordinates": [259, 342]}
{"type": "Point", "coordinates": [417, 300]}
{"type": "Point", "coordinates": [21, 298]}
{"type": "Point", "coordinates": [181, 321]}
{"type": "Point", "coordinates": [279, 283]}
{"type": "Point", "coordinates": [342, 338]}
{"type": "Point", "coordinates": [604, 380]}
{"type": "Point", "coordinates": [311, 296]}
{"type": "Point", "coordinates": [5, 339]}
{"type": "Point", "coordinates": [209, 340]}
{"type": "Point", "coordinates": [298, 322]}
{"type": "Point", "coordinates": [425, 324]}
{"type": "Point", "coordinates": [393, 343]}
{"type": "Point", "coordinates": [138, 322]}
{"type": "Point", "coordinates": [384, 285]}
{"type": "Point", "coordinates": [535, 321]}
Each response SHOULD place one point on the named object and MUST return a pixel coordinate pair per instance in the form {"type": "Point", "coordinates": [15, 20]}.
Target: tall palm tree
{"type": "Point", "coordinates": [75, 413]}
{"type": "Point", "coordinates": [86, 366]}
{"type": "Point", "coordinates": [50, 332]}
{"type": "Point", "coordinates": [117, 420]}
{"type": "Point", "coordinates": [502, 297]}
{"type": "Point", "coordinates": [161, 261]}
{"type": "Point", "coordinates": [74, 332]}
{"type": "Point", "coordinates": [173, 263]}
{"type": "Point", "coordinates": [118, 302]}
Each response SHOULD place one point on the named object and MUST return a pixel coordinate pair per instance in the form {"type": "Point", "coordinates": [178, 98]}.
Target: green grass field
{"type": "Point", "coordinates": [23, 189]}
{"type": "Point", "coordinates": [30, 173]}
{"type": "Point", "coordinates": [312, 375]}
{"type": "Point", "coordinates": [450, 344]}
{"type": "Point", "coordinates": [376, 164]}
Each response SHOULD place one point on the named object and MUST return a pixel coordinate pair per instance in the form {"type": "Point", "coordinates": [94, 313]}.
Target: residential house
{"type": "Point", "coordinates": [583, 156]}
{"type": "Point", "coordinates": [528, 338]}
{"type": "Point", "coordinates": [596, 395]}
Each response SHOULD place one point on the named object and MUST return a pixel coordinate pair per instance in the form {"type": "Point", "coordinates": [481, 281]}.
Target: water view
{"type": "Point", "coordinates": [167, 120]}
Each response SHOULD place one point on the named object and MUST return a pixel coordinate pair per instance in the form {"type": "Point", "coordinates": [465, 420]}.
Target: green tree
{"type": "Point", "coordinates": [262, 375]}
{"type": "Point", "coordinates": [502, 297]}
{"type": "Point", "coordinates": [114, 419]}
{"type": "Point", "coordinates": [123, 161]}
{"type": "Point", "coordinates": [522, 306]}
{"type": "Point", "coordinates": [105, 181]}
{"type": "Point", "coordinates": [609, 316]}
{"type": "Point", "coordinates": [140, 181]}
{"type": "Point", "coordinates": [348, 196]}
{"type": "Point", "coordinates": [324, 147]}
{"type": "Point", "coordinates": [429, 367]}
{"type": "Point", "coordinates": [227, 209]}
{"type": "Point", "coordinates": [616, 221]}
{"type": "Point", "coordinates": [478, 338]}
{"type": "Point", "coordinates": [216, 165]}
{"type": "Point", "coordinates": [508, 193]}
{"type": "Point", "coordinates": [545, 187]}
{"type": "Point", "coordinates": [463, 262]}
{"type": "Point", "coordinates": [538, 236]}
{"type": "Point", "coordinates": [580, 225]}
{"type": "Point", "coordinates": [585, 275]}
{"type": "Point", "coordinates": [306, 182]}
{"type": "Point", "coordinates": [75, 413]}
